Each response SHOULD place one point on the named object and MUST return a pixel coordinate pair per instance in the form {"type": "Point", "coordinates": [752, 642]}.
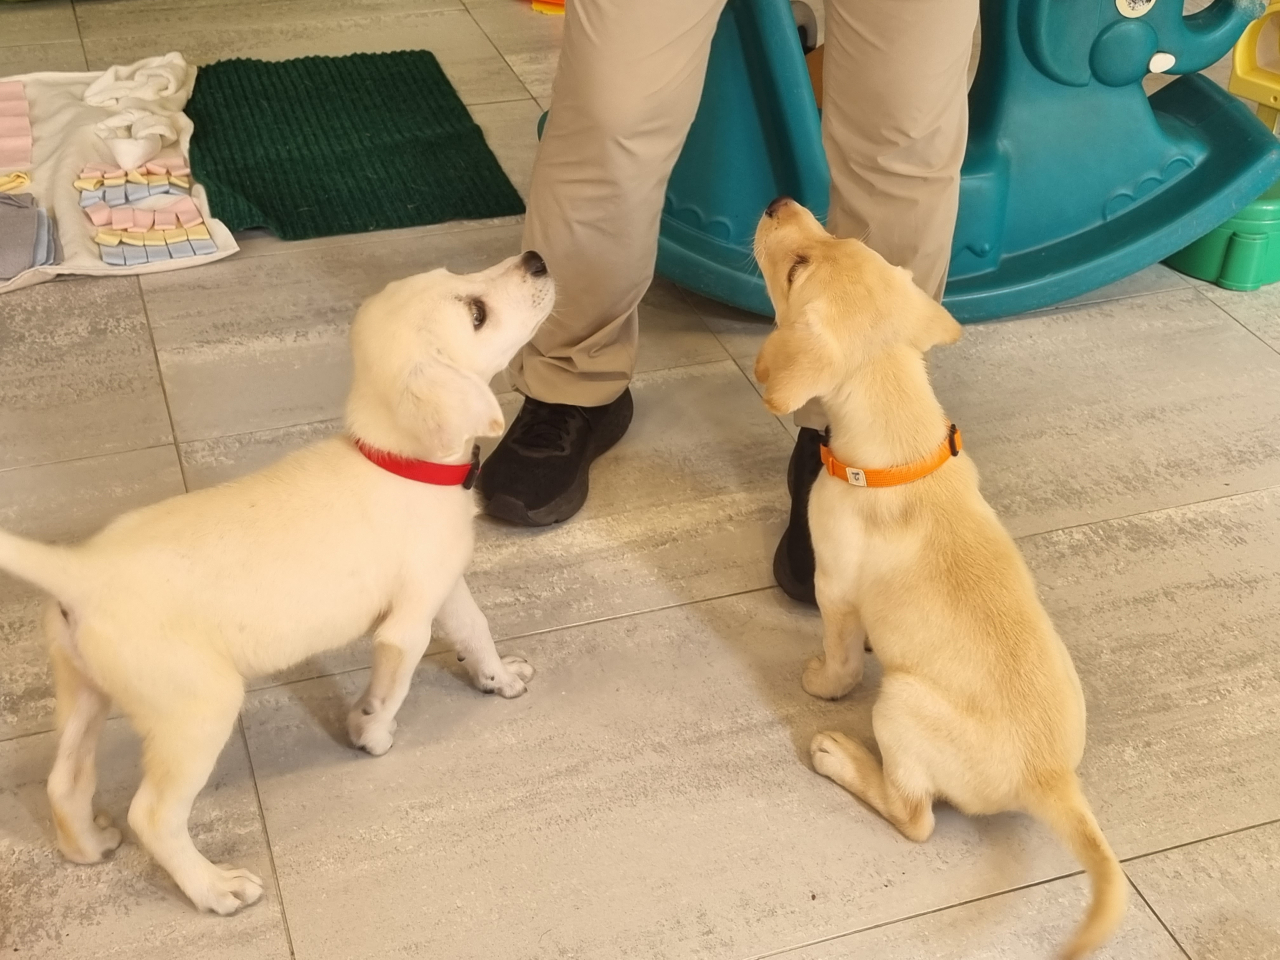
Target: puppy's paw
{"type": "Point", "coordinates": [225, 889]}
{"type": "Point", "coordinates": [511, 682]}
{"type": "Point", "coordinates": [371, 733]}
{"type": "Point", "coordinates": [830, 755]}
{"type": "Point", "coordinates": [818, 681]}
{"type": "Point", "coordinates": [100, 840]}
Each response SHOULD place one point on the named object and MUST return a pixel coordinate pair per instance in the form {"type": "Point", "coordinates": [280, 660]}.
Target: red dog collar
{"type": "Point", "coordinates": [424, 471]}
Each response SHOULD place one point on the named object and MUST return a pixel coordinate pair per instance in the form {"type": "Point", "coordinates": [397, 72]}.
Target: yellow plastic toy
{"type": "Point", "coordinates": [1255, 65]}
{"type": "Point", "coordinates": [1244, 252]}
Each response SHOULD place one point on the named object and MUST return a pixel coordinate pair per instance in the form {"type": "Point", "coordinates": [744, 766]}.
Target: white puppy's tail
{"type": "Point", "coordinates": [1065, 810]}
{"type": "Point", "coordinates": [53, 569]}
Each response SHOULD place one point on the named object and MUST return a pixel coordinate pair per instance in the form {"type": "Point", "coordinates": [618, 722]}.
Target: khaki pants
{"type": "Point", "coordinates": [894, 125]}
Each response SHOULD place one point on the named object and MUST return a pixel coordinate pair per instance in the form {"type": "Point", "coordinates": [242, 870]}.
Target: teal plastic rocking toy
{"type": "Point", "coordinates": [1073, 177]}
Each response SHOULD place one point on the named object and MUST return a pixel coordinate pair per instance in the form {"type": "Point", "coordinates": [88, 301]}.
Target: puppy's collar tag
{"type": "Point", "coordinates": [424, 471]}
{"type": "Point", "coordinates": [894, 476]}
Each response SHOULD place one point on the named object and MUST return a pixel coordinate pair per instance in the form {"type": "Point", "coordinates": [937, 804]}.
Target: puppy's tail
{"type": "Point", "coordinates": [1065, 810]}
{"type": "Point", "coordinates": [56, 570]}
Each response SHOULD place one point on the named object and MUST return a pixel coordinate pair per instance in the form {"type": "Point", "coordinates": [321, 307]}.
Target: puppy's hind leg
{"type": "Point", "coordinates": [839, 669]}
{"type": "Point", "coordinates": [465, 625]}
{"type": "Point", "coordinates": [82, 710]}
{"type": "Point", "coordinates": [853, 766]}
{"type": "Point", "coordinates": [181, 743]}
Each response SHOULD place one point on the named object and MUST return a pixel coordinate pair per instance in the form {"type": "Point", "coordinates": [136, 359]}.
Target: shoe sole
{"type": "Point", "coordinates": [506, 508]}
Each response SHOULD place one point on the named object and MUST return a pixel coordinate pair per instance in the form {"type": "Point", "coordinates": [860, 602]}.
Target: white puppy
{"type": "Point", "coordinates": [169, 608]}
{"type": "Point", "coordinates": [980, 704]}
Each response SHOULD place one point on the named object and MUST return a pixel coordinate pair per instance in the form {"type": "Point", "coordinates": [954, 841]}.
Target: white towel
{"type": "Point", "coordinates": [153, 78]}
{"type": "Point", "coordinates": [136, 136]}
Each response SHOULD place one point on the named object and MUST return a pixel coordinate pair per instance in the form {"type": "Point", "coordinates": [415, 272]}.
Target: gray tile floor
{"type": "Point", "coordinates": [650, 797]}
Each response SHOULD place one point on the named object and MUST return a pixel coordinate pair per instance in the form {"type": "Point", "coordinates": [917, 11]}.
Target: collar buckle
{"type": "Point", "coordinates": [474, 472]}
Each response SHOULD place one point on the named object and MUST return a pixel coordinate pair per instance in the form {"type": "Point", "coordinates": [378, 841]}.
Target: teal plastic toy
{"type": "Point", "coordinates": [1073, 177]}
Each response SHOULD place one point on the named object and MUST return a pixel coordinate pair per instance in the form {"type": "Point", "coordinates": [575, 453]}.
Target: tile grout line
{"type": "Point", "coordinates": [89, 456]}
{"type": "Point", "coordinates": [522, 636]}
{"type": "Point", "coordinates": [914, 916]}
{"type": "Point", "coordinates": [1247, 329]}
{"type": "Point", "coordinates": [337, 421]}
{"type": "Point", "coordinates": [1068, 307]}
{"type": "Point", "coordinates": [1244, 326]}
{"type": "Point", "coordinates": [1159, 919]}
{"type": "Point", "coordinates": [684, 296]}
{"type": "Point", "coordinates": [1191, 843]}
{"type": "Point", "coordinates": [75, 14]}
{"type": "Point", "coordinates": [460, 7]}
{"type": "Point", "coordinates": [266, 835]}
{"type": "Point", "coordinates": [1145, 513]}
{"type": "Point", "coordinates": [377, 236]}
{"type": "Point", "coordinates": [164, 390]}
{"type": "Point", "coordinates": [498, 50]}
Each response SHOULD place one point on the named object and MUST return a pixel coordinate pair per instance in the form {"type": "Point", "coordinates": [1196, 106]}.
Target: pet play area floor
{"type": "Point", "coordinates": [650, 797]}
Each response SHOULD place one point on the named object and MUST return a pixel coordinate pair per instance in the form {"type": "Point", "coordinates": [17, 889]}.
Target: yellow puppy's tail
{"type": "Point", "coordinates": [56, 570]}
{"type": "Point", "coordinates": [1065, 810]}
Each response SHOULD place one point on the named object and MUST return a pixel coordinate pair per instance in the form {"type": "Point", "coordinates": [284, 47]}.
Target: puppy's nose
{"type": "Point", "coordinates": [778, 203]}
{"type": "Point", "coordinates": [533, 264]}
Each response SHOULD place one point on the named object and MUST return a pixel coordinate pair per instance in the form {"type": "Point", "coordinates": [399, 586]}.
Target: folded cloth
{"type": "Point", "coordinates": [13, 182]}
{"type": "Point", "coordinates": [19, 225]}
{"type": "Point", "coordinates": [17, 126]}
{"type": "Point", "coordinates": [148, 79]}
{"type": "Point", "coordinates": [15, 152]}
{"type": "Point", "coordinates": [136, 136]}
{"type": "Point", "coordinates": [187, 212]}
{"type": "Point", "coordinates": [99, 214]}
{"type": "Point", "coordinates": [45, 251]}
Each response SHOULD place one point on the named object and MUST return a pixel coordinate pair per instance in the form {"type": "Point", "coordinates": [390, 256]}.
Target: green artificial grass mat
{"type": "Point", "coordinates": [326, 145]}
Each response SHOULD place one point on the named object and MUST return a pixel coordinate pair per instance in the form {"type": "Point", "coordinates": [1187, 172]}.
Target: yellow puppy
{"type": "Point", "coordinates": [980, 704]}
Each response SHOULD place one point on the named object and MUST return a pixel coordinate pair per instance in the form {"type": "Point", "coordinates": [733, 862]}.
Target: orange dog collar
{"type": "Point", "coordinates": [895, 476]}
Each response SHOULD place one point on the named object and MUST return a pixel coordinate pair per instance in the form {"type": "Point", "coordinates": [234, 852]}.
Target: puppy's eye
{"type": "Point", "coordinates": [479, 313]}
{"type": "Point", "coordinates": [795, 268]}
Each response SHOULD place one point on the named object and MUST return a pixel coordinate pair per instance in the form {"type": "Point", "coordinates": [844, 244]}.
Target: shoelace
{"type": "Point", "coordinates": [546, 428]}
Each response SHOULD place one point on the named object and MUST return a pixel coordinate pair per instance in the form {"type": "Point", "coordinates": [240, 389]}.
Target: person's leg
{"type": "Point", "coordinates": [626, 90]}
{"type": "Point", "coordinates": [895, 125]}
{"type": "Point", "coordinates": [895, 121]}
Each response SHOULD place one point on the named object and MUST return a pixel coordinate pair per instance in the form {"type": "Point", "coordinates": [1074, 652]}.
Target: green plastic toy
{"type": "Point", "coordinates": [1243, 253]}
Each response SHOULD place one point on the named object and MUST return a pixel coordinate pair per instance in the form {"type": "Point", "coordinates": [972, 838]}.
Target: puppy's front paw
{"type": "Point", "coordinates": [819, 681]}
{"type": "Point", "coordinates": [93, 847]}
{"type": "Point", "coordinates": [371, 733]}
{"type": "Point", "coordinates": [225, 889]}
{"type": "Point", "coordinates": [510, 683]}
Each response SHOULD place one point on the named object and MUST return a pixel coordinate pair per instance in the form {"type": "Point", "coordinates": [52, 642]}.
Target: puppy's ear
{"type": "Point", "coordinates": [449, 406]}
{"type": "Point", "coordinates": [931, 324]}
{"type": "Point", "coordinates": [795, 365]}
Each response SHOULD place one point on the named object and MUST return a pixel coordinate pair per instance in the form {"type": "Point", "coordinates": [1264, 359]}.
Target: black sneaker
{"type": "Point", "coordinates": [793, 563]}
{"type": "Point", "coordinates": [538, 473]}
